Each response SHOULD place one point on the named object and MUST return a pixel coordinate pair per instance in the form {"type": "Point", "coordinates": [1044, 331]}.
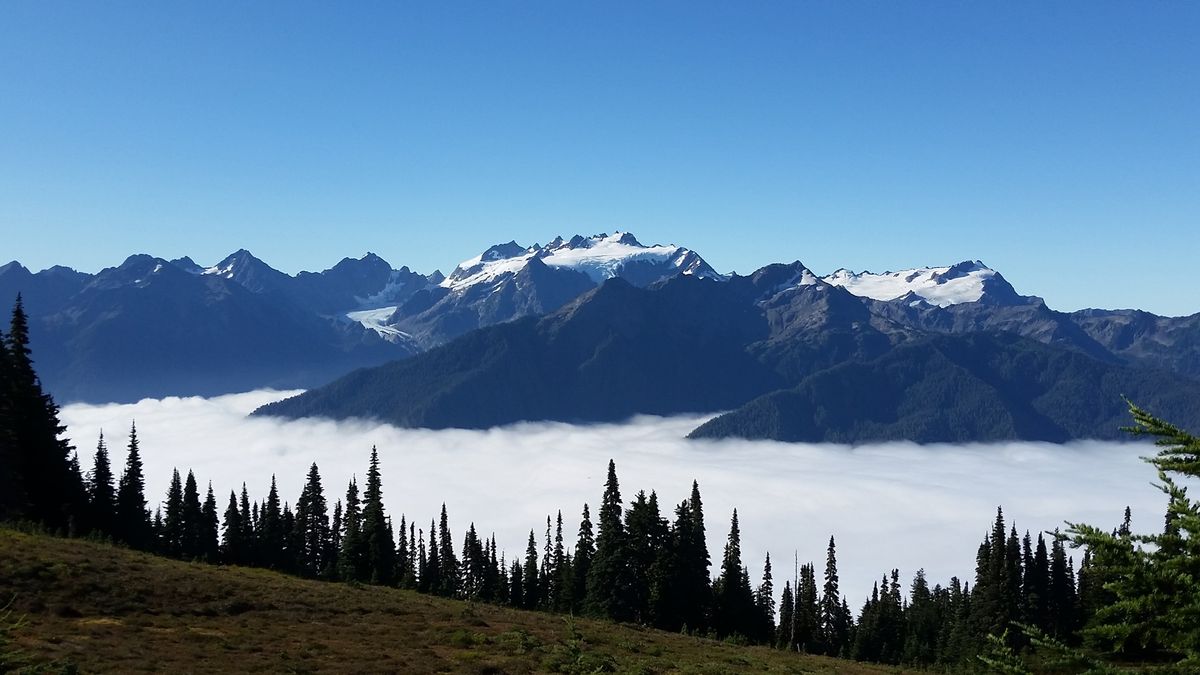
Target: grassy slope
{"type": "Point", "coordinates": [108, 609]}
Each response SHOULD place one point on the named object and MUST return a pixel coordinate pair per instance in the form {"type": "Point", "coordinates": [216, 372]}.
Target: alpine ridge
{"type": "Point", "coordinates": [603, 327]}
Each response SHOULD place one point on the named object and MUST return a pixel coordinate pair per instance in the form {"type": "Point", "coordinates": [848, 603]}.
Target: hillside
{"type": "Point", "coordinates": [107, 609]}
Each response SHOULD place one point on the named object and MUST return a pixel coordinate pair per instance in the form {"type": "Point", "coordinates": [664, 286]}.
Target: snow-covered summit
{"type": "Point", "coordinates": [600, 257]}
{"type": "Point", "coordinates": [968, 281]}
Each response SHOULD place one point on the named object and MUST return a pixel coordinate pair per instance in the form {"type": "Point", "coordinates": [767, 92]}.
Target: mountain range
{"type": "Point", "coordinates": [600, 328]}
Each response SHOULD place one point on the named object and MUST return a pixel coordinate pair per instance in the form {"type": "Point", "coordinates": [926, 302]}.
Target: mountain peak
{"type": "Point", "coordinates": [600, 257]}
{"type": "Point", "coordinates": [967, 281]}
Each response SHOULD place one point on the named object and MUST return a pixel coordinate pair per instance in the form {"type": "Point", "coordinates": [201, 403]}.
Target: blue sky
{"type": "Point", "coordinates": [1057, 142]}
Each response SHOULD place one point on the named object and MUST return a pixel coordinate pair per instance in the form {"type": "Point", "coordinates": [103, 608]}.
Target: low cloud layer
{"type": "Point", "coordinates": [889, 505]}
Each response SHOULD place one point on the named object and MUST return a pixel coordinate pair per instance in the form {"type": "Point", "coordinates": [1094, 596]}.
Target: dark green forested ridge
{"type": "Point", "coordinates": [1127, 597]}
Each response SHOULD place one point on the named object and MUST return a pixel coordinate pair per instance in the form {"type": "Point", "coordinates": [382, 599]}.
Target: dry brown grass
{"type": "Point", "coordinates": [107, 609]}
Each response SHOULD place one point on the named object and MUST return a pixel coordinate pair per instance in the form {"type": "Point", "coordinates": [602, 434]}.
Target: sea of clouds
{"type": "Point", "coordinates": [889, 505]}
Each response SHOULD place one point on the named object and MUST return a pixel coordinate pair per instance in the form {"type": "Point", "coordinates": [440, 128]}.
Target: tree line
{"type": "Point", "coordinates": [633, 564]}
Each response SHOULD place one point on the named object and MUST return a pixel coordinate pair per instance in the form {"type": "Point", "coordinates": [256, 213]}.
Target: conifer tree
{"type": "Point", "coordinates": [210, 532]}
{"type": "Point", "coordinates": [172, 531]}
{"type": "Point", "coordinates": [249, 554]}
{"type": "Point", "coordinates": [51, 490]}
{"type": "Point", "coordinates": [271, 536]}
{"type": "Point", "coordinates": [133, 520]}
{"type": "Point", "coordinates": [449, 562]}
{"type": "Point", "coordinates": [352, 562]}
{"type": "Point", "coordinates": [14, 503]}
{"type": "Point", "coordinates": [102, 495]}
{"type": "Point", "coordinates": [564, 576]}
{"type": "Point", "coordinates": [403, 555]}
{"type": "Point", "coordinates": [422, 564]}
{"type": "Point", "coordinates": [585, 550]}
{"type": "Point", "coordinates": [529, 575]}
{"type": "Point", "coordinates": [608, 582]}
{"type": "Point", "coordinates": [334, 549]}
{"type": "Point", "coordinates": [433, 565]}
{"type": "Point", "coordinates": [786, 630]}
{"type": "Point", "coordinates": [808, 612]}
{"type": "Point", "coordinates": [734, 610]}
{"type": "Point", "coordinates": [192, 522]}
{"type": "Point", "coordinates": [233, 543]}
{"type": "Point", "coordinates": [380, 547]}
{"type": "Point", "coordinates": [764, 601]}
{"type": "Point", "coordinates": [310, 536]}
{"type": "Point", "coordinates": [835, 624]}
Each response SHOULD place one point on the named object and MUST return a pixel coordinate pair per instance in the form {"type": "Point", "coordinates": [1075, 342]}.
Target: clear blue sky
{"type": "Point", "coordinates": [1059, 142]}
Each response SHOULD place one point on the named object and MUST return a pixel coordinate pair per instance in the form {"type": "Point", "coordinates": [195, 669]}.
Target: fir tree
{"type": "Point", "coordinates": [529, 575]}
{"type": "Point", "coordinates": [172, 532]}
{"type": "Point", "coordinates": [192, 525]}
{"type": "Point", "coordinates": [585, 550]}
{"type": "Point", "coordinates": [102, 495]}
{"type": "Point", "coordinates": [271, 536]}
{"type": "Point", "coordinates": [352, 560]}
{"type": "Point", "coordinates": [210, 530]}
{"type": "Point", "coordinates": [786, 631]}
{"type": "Point", "coordinates": [310, 536]}
{"type": "Point", "coordinates": [608, 581]}
{"type": "Point", "coordinates": [51, 490]}
{"type": "Point", "coordinates": [835, 623]}
{"type": "Point", "coordinates": [734, 610]}
{"type": "Point", "coordinates": [449, 562]}
{"type": "Point", "coordinates": [764, 601]}
{"type": "Point", "coordinates": [233, 543]}
{"type": "Point", "coordinates": [133, 520]}
{"type": "Point", "coordinates": [380, 547]}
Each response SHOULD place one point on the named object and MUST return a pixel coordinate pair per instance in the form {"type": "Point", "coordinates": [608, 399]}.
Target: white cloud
{"type": "Point", "coordinates": [889, 505]}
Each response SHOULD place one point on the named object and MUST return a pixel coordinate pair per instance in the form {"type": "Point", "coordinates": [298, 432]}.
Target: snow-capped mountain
{"type": "Point", "coordinates": [153, 327]}
{"type": "Point", "coordinates": [600, 257]}
{"type": "Point", "coordinates": [509, 281]}
{"type": "Point", "coordinates": [968, 281]}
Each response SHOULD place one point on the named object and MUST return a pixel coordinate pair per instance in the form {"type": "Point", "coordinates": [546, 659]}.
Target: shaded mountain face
{"type": "Point", "coordinates": [587, 328]}
{"type": "Point", "coordinates": [149, 328]}
{"type": "Point", "coordinates": [796, 357]}
{"type": "Point", "coordinates": [964, 388]}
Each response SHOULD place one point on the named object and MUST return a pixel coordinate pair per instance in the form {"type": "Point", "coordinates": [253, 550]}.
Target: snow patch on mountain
{"type": "Point", "coordinates": [377, 320]}
{"type": "Point", "coordinates": [600, 257]}
{"type": "Point", "coordinates": [941, 286]}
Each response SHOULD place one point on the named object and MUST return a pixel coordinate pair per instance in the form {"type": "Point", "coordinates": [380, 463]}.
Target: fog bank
{"type": "Point", "coordinates": [889, 505]}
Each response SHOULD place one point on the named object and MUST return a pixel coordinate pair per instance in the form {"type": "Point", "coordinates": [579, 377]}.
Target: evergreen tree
{"type": "Point", "coordinates": [585, 550]}
{"type": "Point", "coordinates": [171, 533]}
{"type": "Point", "coordinates": [272, 538]}
{"type": "Point", "coordinates": [380, 547]}
{"type": "Point", "coordinates": [352, 559]}
{"type": "Point", "coordinates": [210, 531]}
{"type": "Point", "coordinates": [14, 503]}
{"type": "Point", "coordinates": [433, 565]}
{"type": "Point", "coordinates": [786, 631]}
{"type": "Point", "coordinates": [808, 612]}
{"type": "Point", "coordinates": [564, 577]}
{"type": "Point", "coordinates": [835, 622]}
{"type": "Point", "coordinates": [608, 581]}
{"type": "Point", "coordinates": [647, 536]}
{"type": "Point", "coordinates": [333, 552]}
{"type": "Point", "coordinates": [764, 601]}
{"type": "Point", "coordinates": [192, 525]}
{"type": "Point", "coordinates": [691, 591]}
{"type": "Point", "coordinates": [233, 543]}
{"type": "Point", "coordinates": [51, 490]}
{"type": "Point", "coordinates": [310, 536]}
{"type": "Point", "coordinates": [529, 575]}
{"type": "Point", "coordinates": [404, 566]}
{"type": "Point", "coordinates": [449, 562]}
{"type": "Point", "coordinates": [734, 610]}
{"type": "Point", "coordinates": [102, 495]}
{"type": "Point", "coordinates": [249, 554]}
{"type": "Point", "coordinates": [133, 520]}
